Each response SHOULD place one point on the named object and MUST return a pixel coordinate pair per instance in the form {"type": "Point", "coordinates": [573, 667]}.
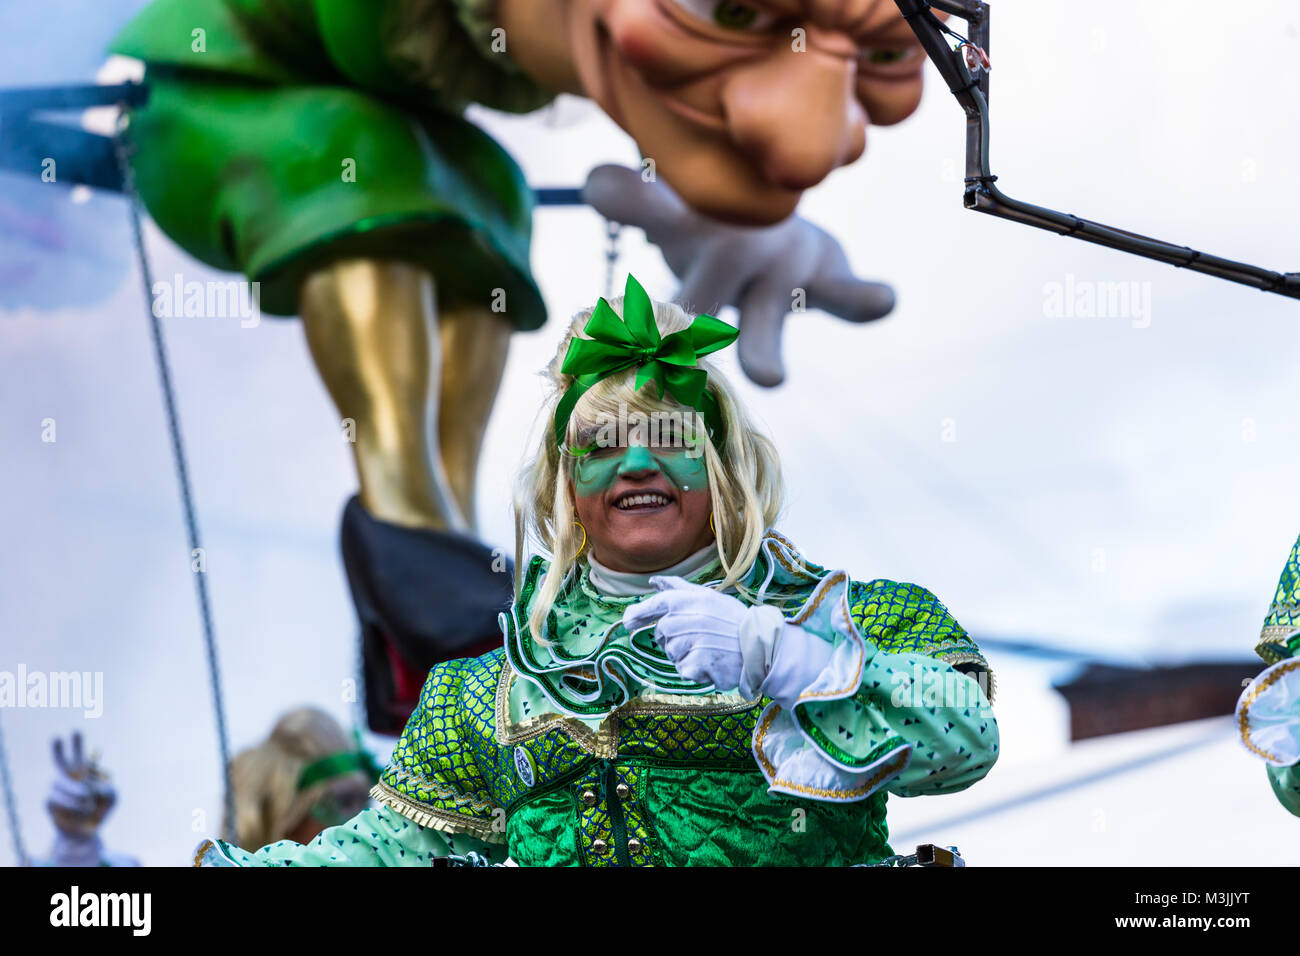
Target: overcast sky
{"type": "Point", "coordinates": [1123, 485]}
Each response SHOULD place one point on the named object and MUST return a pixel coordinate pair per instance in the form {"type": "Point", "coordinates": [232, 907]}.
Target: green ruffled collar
{"type": "Point", "coordinates": [588, 665]}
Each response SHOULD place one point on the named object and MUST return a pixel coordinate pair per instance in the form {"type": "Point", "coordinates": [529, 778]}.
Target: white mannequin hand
{"type": "Point", "coordinates": [759, 270]}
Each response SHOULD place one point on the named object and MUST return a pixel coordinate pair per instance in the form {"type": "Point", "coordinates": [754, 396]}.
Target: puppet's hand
{"type": "Point", "coordinates": [697, 627]}
{"type": "Point", "coordinates": [766, 272]}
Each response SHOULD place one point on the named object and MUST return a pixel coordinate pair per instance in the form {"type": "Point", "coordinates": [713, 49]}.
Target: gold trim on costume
{"type": "Point", "coordinates": [602, 742]}
{"type": "Point", "coordinates": [1272, 642]}
{"type": "Point", "coordinates": [424, 815]}
{"type": "Point", "coordinates": [882, 774]}
{"type": "Point", "coordinates": [441, 789]}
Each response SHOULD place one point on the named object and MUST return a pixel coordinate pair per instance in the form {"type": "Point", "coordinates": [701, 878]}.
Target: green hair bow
{"type": "Point", "coordinates": [633, 341]}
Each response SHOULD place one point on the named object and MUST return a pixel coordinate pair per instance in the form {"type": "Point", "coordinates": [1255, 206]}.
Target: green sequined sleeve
{"type": "Point", "coordinates": [435, 778]}
{"type": "Point", "coordinates": [908, 618]}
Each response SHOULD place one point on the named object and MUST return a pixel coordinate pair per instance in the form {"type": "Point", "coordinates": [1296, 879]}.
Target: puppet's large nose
{"type": "Point", "coordinates": [795, 112]}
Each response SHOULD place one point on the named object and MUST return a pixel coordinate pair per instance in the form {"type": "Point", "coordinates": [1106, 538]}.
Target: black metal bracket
{"type": "Point", "coordinates": [81, 157]}
{"type": "Point", "coordinates": [982, 193]}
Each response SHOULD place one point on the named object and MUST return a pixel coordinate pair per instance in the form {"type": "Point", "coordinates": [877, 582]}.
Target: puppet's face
{"type": "Point", "coordinates": [644, 507]}
{"type": "Point", "coordinates": [744, 105]}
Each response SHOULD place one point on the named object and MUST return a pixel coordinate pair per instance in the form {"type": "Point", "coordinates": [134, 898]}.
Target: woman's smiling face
{"type": "Point", "coordinates": [645, 506]}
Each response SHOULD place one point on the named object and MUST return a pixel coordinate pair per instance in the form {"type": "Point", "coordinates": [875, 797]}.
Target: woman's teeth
{"type": "Point", "coordinates": [641, 501]}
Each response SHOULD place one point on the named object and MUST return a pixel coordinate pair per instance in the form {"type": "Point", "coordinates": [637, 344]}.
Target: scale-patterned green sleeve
{"type": "Point", "coordinates": [376, 837]}
{"type": "Point", "coordinates": [436, 777]}
{"type": "Point", "coordinates": [1280, 637]}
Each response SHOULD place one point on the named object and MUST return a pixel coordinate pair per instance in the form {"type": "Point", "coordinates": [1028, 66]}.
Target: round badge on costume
{"type": "Point", "coordinates": [525, 767]}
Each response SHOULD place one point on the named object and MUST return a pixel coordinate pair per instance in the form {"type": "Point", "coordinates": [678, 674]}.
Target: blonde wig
{"type": "Point", "coordinates": [268, 803]}
{"type": "Point", "coordinates": [745, 484]}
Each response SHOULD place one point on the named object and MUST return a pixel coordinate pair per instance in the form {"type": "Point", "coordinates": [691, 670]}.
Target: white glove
{"type": "Point", "coordinates": [715, 639]}
{"type": "Point", "coordinates": [781, 660]}
{"type": "Point", "coordinates": [78, 802]}
{"type": "Point", "coordinates": [756, 269]}
{"type": "Point", "coordinates": [697, 627]}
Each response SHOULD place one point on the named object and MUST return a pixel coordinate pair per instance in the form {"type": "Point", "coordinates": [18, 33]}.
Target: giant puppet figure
{"type": "Point", "coordinates": [319, 148]}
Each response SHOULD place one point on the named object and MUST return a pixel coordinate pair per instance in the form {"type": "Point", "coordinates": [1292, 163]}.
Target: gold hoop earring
{"type": "Point", "coordinates": [711, 528]}
{"type": "Point", "coordinates": [584, 537]}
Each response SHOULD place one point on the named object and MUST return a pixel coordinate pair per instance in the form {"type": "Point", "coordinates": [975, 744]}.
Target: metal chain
{"type": "Point", "coordinates": [11, 804]}
{"type": "Point", "coordinates": [124, 149]}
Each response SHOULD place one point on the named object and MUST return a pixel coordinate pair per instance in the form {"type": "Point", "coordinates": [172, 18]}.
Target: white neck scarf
{"type": "Point", "coordinates": [627, 583]}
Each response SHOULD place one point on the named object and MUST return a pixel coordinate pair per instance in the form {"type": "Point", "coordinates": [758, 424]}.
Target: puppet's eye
{"type": "Point", "coordinates": [887, 56]}
{"type": "Point", "coordinates": [742, 17]}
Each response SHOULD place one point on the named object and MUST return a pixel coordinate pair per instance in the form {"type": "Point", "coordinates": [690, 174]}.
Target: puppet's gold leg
{"type": "Point", "coordinates": [475, 342]}
{"type": "Point", "coordinates": [372, 328]}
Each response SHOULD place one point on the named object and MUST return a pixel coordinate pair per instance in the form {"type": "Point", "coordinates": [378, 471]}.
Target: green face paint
{"type": "Point", "coordinates": [596, 469]}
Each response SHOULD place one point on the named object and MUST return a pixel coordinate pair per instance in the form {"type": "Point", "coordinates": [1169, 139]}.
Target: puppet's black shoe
{"type": "Point", "coordinates": [422, 597]}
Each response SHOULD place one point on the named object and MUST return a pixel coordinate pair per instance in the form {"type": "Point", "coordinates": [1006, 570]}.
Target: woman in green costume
{"type": "Point", "coordinates": [678, 685]}
{"type": "Point", "coordinates": [1268, 713]}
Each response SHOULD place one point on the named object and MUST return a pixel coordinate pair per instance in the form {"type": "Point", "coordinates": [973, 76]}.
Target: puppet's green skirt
{"type": "Point", "coordinates": [275, 181]}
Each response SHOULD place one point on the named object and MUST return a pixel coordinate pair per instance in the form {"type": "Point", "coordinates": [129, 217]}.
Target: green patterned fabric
{"type": "Point", "coordinates": [908, 618]}
{"type": "Point", "coordinates": [690, 808]}
{"type": "Point", "coordinates": [441, 762]}
{"type": "Point", "coordinates": [314, 130]}
{"type": "Point", "coordinates": [693, 791]}
{"type": "Point", "coordinates": [859, 730]}
{"type": "Point", "coordinates": [1280, 637]}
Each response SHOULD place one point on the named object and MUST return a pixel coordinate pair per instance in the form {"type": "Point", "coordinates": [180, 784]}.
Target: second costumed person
{"type": "Point", "coordinates": [678, 685]}
{"type": "Point", "coordinates": [1268, 712]}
